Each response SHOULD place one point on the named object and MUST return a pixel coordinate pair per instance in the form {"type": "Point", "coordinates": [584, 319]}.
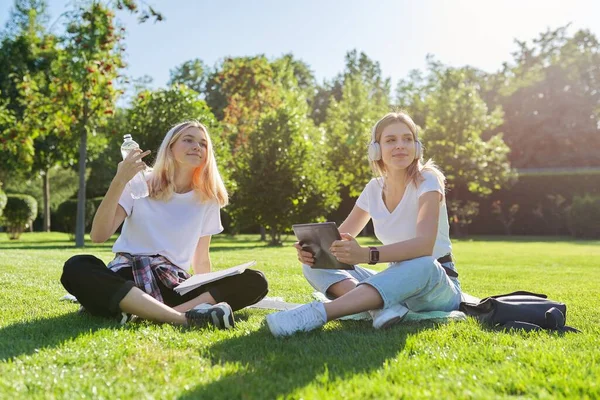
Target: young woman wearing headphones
{"type": "Point", "coordinates": [407, 204]}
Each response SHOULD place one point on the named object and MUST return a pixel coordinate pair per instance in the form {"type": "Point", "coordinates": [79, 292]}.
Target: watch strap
{"type": "Point", "coordinates": [373, 255]}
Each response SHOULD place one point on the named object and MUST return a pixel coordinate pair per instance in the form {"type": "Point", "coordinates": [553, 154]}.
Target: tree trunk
{"type": "Point", "coordinates": [275, 241]}
{"type": "Point", "coordinates": [263, 234]}
{"type": "Point", "coordinates": [83, 124]}
{"type": "Point", "coordinates": [46, 179]}
{"type": "Point", "coordinates": [80, 224]}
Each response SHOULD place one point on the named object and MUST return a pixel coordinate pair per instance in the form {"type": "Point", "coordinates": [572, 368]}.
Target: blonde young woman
{"type": "Point", "coordinates": [407, 205]}
{"type": "Point", "coordinates": [163, 235]}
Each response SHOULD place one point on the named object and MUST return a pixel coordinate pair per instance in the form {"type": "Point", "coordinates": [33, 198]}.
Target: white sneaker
{"type": "Point", "coordinates": [300, 319]}
{"type": "Point", "coordinates": [387, 317]}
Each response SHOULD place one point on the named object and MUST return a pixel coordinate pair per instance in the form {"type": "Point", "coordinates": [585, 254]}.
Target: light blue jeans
{"type": "Point", "coordinates": [420, 284]}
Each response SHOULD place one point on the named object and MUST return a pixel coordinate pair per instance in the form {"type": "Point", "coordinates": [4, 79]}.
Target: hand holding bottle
{"type": "Point", "coordinates": [131, 166]}
{"type": "Point", "coordinates": [137, 183]}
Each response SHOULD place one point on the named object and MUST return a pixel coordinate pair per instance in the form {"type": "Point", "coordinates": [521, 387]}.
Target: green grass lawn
{"type": "Point", "coordinates": [47, 350]}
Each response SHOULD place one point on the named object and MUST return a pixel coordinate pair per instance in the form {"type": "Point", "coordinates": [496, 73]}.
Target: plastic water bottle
{"type": "Point", "coordinates": [138, 184]}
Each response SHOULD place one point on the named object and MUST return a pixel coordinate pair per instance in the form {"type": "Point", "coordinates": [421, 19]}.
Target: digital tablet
{"type": "Point", "coordinates": [317, 239]}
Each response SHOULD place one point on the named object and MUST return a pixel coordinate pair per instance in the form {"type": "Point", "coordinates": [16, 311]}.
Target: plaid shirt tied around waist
{"type": "Point", "coordinates": [144, 269]}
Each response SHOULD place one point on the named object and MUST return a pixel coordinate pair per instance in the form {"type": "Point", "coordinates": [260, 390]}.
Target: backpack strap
{"type": "Point", "coordinates": [520, 326]}
{"type": "Point", "coordinates": [520, 293]}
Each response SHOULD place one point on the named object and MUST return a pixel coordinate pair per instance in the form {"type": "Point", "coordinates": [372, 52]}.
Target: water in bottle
{"type": "Point", "coordinates": [138, 184]}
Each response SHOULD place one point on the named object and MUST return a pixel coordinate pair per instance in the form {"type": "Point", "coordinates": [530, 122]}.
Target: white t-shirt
{"type": "Point", "coordinates": [401, 224]}
{"type": "Point", "coordinates": [170, 228]}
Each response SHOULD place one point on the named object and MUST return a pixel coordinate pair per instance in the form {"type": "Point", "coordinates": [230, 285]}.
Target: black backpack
{"type": "Point", "coordinates": [519, 310]}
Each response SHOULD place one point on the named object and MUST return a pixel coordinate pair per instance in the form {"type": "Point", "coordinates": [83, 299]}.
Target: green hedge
{"type": "Point", "coordinates": [20, 211]}
{"type": "Point", "coordinates": [65, 217]}
{"type": "Point", "coordinates": [543, 205]}
{"type": "Point", "coordinates": [584, 217]}
{"type": "Point", "coordinates": [543, 201]}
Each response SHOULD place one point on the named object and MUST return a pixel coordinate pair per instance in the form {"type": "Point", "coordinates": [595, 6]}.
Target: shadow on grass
{"type": "Point", "coordinates": [526, 239]}
{"type": "Point", "coordinates": [55, 247]}
{"type": "Point", "coordinates": [275, 368]}
{"type": "Point", "coordinates": [25, 338]}
{"type": "Point", "coordinates": [218, 244]}
{"type": "Point", "coordinates": [88, 248]}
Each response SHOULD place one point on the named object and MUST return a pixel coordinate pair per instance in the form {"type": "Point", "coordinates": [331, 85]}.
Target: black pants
{"type": "Point", "coordinates": [100, 290]}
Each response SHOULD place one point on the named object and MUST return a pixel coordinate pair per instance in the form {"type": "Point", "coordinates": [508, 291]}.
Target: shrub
{"type": "Point", "coordinates": [584, 216]}
{"type": "Point", "coordinates": [20, 211]}
{"type": "Point", "coordinates": [66, 215]}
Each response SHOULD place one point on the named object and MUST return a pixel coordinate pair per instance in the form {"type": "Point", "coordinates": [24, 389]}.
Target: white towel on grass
{"type": "Point", "coordinates": [410, 317]}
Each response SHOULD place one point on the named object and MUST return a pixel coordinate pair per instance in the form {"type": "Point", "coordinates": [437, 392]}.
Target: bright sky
{"type": "Point", "coordinates": [399, 34]}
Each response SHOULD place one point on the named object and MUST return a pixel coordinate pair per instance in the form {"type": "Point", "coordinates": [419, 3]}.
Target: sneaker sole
{"type": "Point", "coordinates": [272, 327]}
{"type": "Point", "coordinates": [268, 319]}
{"type": "Point", "coordinates": [222, 317]}
{"type": "Point", "coordinates": [391, 322]}
{"type": "Point", "coordinates": [219, 315]}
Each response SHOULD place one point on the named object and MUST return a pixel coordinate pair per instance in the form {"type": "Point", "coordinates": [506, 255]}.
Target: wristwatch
{"type": "Point", "coordinates": [373, 255]}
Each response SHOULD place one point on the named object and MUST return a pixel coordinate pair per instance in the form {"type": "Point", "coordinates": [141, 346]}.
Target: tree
{"type": "Point", "coordinates": [349, 120]}
{"type": "Point", "coordinates": [286, 67]}
{"type": "Point", "coordinates": [62, 90]}
{"type": "Point", "coordinates": [26, 16]}
{"type": "Point", "coordinates": [30, 52]}
{"type": "Point", "coordinates": [192, 73]}
{"type": "Point", "coordinates": [6, 116]}
{"type": "Point", "coordinates": [455, 122]}
{"type": "Point", "coordinates": [357, 67]}
{"type": "Point", "coordinates": [89, 68]}
{"type": "Point", "coordinates": [239, 93]}
{"type": "Point", "coordinates": [11, 154]}
{"type": "Point", "coordinates": [63, 182]}
{"type": "Point", "coordinates": [282, 177]}
{"type": "Point", "coordinates": [504, 215]}
{"type": "Point", "coordinates": [21, 42]}
{"type": "Point", "coordinates": [324, 93]}
{"type": "Point", "coordinates": [411, 93]}
{"type": "Point", "coordinates": [153, 113]}
{"type": "Point", "coordinates": [19, 52]}
{"type": "Point", "coordinates": [93, 58]}
{"type": "Point", "coordinates": [369, 72]}
{"type": "Point", "coordinates": [45, 119]}
{"type": "Point", "coordinates": [140, 8]}
{"type": "Point", "coordinates": [550, 94]}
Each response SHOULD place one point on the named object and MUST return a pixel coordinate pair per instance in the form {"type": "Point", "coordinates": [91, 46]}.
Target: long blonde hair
{"type": "Point", "coordinates": [417, 167]}
{"type": "Point", "coordinates": [206, 182]}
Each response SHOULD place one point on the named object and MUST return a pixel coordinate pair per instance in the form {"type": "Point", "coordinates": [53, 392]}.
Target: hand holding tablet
{"type": "Point", "coordinates": [317, 239]}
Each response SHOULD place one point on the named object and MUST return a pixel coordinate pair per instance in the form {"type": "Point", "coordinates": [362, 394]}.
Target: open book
{"type": "Point", "coordinates": [202, 279]}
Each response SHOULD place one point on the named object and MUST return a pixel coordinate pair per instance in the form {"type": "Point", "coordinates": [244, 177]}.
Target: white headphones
{"type": "Point", "coordinates": [374, 150]}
